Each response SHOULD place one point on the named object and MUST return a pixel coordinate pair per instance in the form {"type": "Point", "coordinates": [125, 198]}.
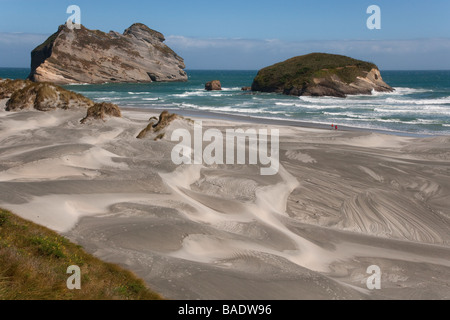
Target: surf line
{"type": "Point", "coordinates": [235, 140]}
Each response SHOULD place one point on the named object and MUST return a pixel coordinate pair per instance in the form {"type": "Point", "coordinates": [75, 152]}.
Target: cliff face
{"type": "Point", "coordinates": [320, 74]}
{"type": "Point", "coordinates": [92, 56]}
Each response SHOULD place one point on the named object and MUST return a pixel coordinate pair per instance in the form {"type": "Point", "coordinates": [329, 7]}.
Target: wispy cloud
{"type": "Point", "coordinates": [254, 54]}
{"type": "Point", "coordinates": [235, 53]}
{"type": "Point", "coordinates": [21, 38]}
{"type": "Point", "coordinates": [15, 48]}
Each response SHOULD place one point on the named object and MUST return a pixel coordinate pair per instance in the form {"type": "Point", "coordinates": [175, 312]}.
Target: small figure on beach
{"type": "Point", "coordinates": [335, 127]}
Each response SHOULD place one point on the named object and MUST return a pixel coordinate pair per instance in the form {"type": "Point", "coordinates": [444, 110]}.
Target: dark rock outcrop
{"type": "Point", "coordinates": [320, 74]}
{"type": "Point", "coordinates": [214, 85]}
{"type": "Point", "coordinates": [92, 56]}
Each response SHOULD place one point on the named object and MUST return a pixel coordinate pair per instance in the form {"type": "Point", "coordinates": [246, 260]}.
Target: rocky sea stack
{"type": "Point", "coordinates": [320, 74]}
{"type": "Point", "coordinates": [92, 56]}
{"type": "Point", "coordinates": [214, 85]}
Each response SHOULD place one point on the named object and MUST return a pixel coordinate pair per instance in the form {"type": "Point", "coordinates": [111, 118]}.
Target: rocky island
{"type": "Point", "coordinates": [320, 74]}
{"type": "Point", "coordinates": [92, 56]}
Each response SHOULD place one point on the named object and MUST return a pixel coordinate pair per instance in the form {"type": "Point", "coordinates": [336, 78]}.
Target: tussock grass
{"type": "Point", "coordinates": [165, 119]}
{"type": "Point", "coordinates": [101, 111]}
{"type": "Point", "coordinates": [45, 97]}
{"type": "Point", "coordinates": [8, 87]}
{"type": "Point", "coordinates": [34, 262]}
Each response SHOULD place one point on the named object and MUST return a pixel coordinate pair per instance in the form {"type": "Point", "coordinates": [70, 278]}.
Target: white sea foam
{"type": "Point", "coordinates": [347, 114]}
{"type": "Point", "coordinates": [322, 107]}
{"type": "Point", "coordinates": [423, 121]}
{"type": "Point", "coordinates": [189, 105]}
{"type": "Point", "coordinates": [139, 93]}
{"type": "Point", "coordinates": [444, 100]}
{"type": "Point", "coordinates": [287, 104]}
{"type": "Point", "coordinates": [109, 99]}
{"type": "Point", "coordinates": [401, 91]}
{"type": "Point", "coordinates": [231, 89]}
{"type": "Point", "coordinates": [197, 93]}
{"type": "Point", "coordinates": [265, 97]}
{"type": "Point", "coordinates": [357, 110]}
{"type": "Point", "coordinates": [352, 100]}
{"type": "Point", "coordinates": [377, 98]}
{"type": "Point", "coordinates": [229, 109]}
{"type": "Point", "coordinates": [423, 110]}
{"type": "Point", "coordinates": [406, 91]}
{"type": "Point", "coordinates": [101, 93]}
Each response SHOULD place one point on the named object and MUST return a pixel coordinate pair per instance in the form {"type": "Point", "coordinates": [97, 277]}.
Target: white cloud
{"type": "Point", "coordinates": [220, 53]}
{"type": "Point", "coordinates": [254, 54]}
{"type": "Point", "coordinates": [21, 38]}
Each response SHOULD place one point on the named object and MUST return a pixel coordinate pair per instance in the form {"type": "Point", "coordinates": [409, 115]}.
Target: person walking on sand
{"type": "Point", "coordinates": [336, 127]}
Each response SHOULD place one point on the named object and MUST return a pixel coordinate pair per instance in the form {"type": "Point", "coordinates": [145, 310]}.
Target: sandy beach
{"type": "Point", "coordinates": [342, 201]}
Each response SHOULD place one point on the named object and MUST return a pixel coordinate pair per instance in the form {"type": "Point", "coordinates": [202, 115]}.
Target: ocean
{"type": "Point", "coordinates": [419, 105]}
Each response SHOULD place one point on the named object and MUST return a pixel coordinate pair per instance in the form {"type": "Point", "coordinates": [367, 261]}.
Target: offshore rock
{"type": "Point", "coordinates": [320, 74]}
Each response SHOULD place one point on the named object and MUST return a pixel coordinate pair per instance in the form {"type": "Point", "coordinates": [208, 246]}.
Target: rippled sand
{"type": "Point", "coordinates": [341, 202]}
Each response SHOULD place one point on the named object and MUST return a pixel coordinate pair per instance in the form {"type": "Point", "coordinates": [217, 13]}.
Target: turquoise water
{"type": "Point", "coordinates": [420, 104]}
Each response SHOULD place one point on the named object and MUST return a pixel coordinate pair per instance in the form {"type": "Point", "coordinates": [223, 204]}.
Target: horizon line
{"type": "Point", "coordinates": [218, 69]}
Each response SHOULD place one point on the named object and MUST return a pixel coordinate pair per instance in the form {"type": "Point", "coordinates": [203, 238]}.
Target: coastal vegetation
{"type": "Point", "coordinates": [25, 94]}
{"type": "Point", "coordinates": [44, 96]}
{"type": "Point", "coordinates": [34, 262]}
{"type": "Point", "coordinates": [100, 111]}
{"type": "Point", "coordinates": [158, 125]}
{"type": "Point", "coordinates": [320, 74]}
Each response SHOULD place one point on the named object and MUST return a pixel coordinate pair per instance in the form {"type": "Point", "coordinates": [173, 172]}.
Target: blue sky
{"type": "Point", "coordinates": [248, 34]}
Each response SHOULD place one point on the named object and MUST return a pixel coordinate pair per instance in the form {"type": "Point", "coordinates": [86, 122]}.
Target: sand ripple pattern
{"type": "Point", "coordinates": [342, 201]}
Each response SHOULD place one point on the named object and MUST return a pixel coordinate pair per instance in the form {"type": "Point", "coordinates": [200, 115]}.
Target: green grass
{"type": "Point", "coordinates": [34, 262]}
{"type": "Point", "coordinates": [300, 71]}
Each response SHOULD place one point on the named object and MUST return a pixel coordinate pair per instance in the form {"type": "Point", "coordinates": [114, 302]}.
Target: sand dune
{"type": "Point", "coordinates": [341, 202]}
